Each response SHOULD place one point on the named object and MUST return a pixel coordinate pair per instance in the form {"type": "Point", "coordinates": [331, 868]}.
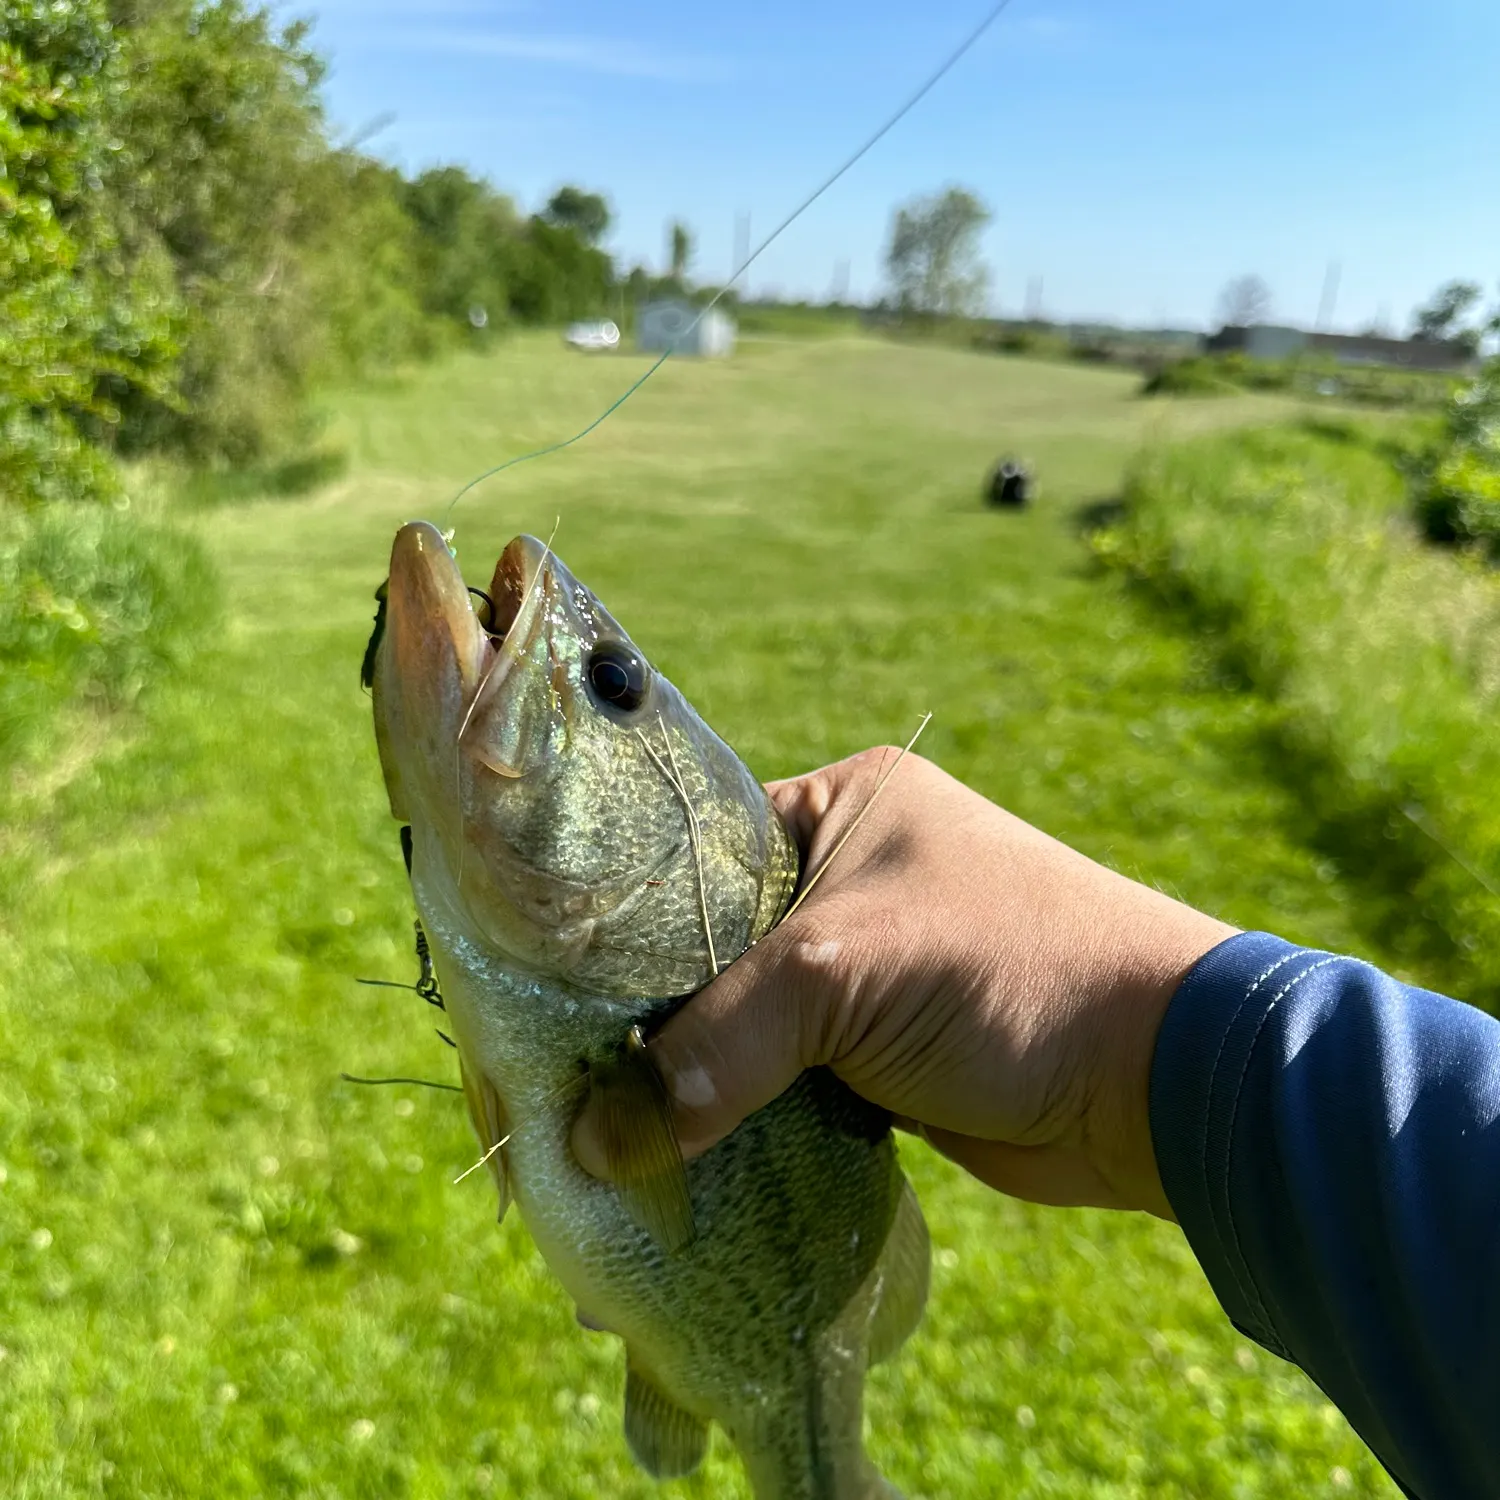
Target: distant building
{"type": "Point", "coordinates": [1411, 354]}
{"type": "Point", "coordinates": [1268, 341]}
{"type": "Point", "coordinates": [673, 323]}
{"type": "Point", "coordinates": [1260, 341]}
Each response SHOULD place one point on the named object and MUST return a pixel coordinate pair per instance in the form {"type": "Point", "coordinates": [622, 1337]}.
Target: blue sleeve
{"type": "Point", "coordinates": [1328, 1139]}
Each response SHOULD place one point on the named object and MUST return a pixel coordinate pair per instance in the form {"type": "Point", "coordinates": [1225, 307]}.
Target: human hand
{"type": "Point", "coordinates": [991, 987]}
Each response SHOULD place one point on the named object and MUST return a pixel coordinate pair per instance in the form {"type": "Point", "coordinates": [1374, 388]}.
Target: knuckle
{"type": "Point", "coordinates": [826, 964]}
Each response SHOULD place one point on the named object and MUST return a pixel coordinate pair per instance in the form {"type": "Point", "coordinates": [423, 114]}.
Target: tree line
{"type": "Point", "coordinates": [1455, 313]}
{"type": "Point", "coordinates": [186, 248]}
{"type": "Point", "coordinates": [934, 268]}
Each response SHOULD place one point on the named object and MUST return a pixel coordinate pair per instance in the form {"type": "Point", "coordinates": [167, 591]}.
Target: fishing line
{"type": "Point", "coordinates": [426, 1083]}
{"type": "Point", "coordinates": [848, 833]}
{"type": "Point", "coordinates": [503, 1141]}
{"type": "Point", "coordinates": [695, 834]}
{"type": "Point", "coordinates": [932, 81]}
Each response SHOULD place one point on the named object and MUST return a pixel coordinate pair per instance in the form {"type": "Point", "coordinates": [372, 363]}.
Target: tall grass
{"type": "Point", "coordinates": [93, 604]}
{"type": "Point", "coordinates": [1295, 548]}
{"type": "Point", "coordinates": [1365, 385]}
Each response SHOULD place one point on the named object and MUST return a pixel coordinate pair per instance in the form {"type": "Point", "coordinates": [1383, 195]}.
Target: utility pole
{"type": "Point", "coordinates": [1034, 299]}
{"type": "Point", "coordinates": [840, 292]}
{"type": "Point", "coordinates": [1330, 297]}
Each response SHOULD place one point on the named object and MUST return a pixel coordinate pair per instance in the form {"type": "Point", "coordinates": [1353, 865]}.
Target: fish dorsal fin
{"type": "Point", "coordinates": [667, 1441]}
{"type": "Point", "coordinates": [491, 1124]}
{"type": "Point", "coordinates": [903, 1269]}
{"type": "Point", "coordinates": [633, 1116]}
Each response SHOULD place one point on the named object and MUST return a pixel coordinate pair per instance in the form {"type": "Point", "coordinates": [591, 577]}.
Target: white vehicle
{"type": "Point", "coordinates": [599, 335]}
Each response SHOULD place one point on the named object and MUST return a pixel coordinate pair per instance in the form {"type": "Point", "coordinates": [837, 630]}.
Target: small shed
{"type": "Point", "coordinates": [674, 323]}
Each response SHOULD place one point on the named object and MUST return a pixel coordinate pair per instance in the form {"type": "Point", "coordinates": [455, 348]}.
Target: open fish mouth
{"type": "Point", "coordinates": [449, 666]}
{"type": "Point", "coordinates": [437, 620]}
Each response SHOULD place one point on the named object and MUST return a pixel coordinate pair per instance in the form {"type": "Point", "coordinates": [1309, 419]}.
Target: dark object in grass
{"type": "Point", "coordinates": [1010, 484]}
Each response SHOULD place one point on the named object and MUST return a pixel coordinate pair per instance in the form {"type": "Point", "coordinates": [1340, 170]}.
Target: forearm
{"type": "Point", "coordinates": [1328, 1140]}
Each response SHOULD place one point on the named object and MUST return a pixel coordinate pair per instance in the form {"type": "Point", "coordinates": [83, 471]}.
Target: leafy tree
{"type": "Point", "coordinates": [475, 251]}
{"type": "Point", "coordinates": [1443, 317]}
{"type": "Point", "coordinates": [222, 143]}
{"type": "Point", "coordinates": [1244, 302]}
{"type": "Point", "coordinates": [637, 285]}
{"type": "Point", "coordinates": [186, 253]}
{"type": "Point", "coordinates": [361, 270]}
{"type": "Point", "coordinates": [70, 319]}
{"type": "Point", "coordinates": [559, 277]}
{"type": "Point", "coordinates": [682, 250]}
{"type": "Point", "coordinates": [586, 214]}
{"type": "Point", "coordinates": [933, 258]}
{"type": "Point", "coordinates": [467, 237]}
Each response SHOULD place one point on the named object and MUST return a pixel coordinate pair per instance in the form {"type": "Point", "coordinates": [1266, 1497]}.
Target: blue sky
{"type": "Point", "coordinates": [1136, 153]}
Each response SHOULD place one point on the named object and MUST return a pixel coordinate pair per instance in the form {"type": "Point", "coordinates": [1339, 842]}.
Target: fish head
{"type": "Point", "coordinates": [570, 812]}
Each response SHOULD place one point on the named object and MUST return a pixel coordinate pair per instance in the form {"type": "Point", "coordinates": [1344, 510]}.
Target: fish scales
{"type": "Point", "coordinates": [581, 844]}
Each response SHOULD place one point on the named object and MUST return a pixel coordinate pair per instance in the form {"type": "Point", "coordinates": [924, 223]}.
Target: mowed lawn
{"type": "Point", "coordinates": [223, 1272]}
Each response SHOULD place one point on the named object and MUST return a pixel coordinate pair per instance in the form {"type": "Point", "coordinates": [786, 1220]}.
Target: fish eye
{"type": "Point", "coordinates": [617, 677]}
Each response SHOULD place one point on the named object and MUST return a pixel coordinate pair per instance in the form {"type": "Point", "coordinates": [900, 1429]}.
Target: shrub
{"type": "Point", "coordinates": [1222, 374]}
{"type": "Point", "coordinates": [72, 323]}
{"type": "Point", "coordinates": [1189, 377]}
{"type": "Point", "coordinates": [93, 604]}
{"type": "Point", "coordinates": [1295, 555]}
{"type": "Point", "coordinates": [1457, 493]}
{"type": "Point", "coordinates": [225, 178]}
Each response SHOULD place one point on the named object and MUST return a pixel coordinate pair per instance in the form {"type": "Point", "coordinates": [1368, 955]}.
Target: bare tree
{"type": "Point", "coordinates": [933, 258]}
{"type": "Point", "coordinates": [1244, 301]}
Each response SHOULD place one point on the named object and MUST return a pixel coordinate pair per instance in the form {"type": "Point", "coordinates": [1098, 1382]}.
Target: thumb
{"type": "Point", "coordinates": [735, 1046]}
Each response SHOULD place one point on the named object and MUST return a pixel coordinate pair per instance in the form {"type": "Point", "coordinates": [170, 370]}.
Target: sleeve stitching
{"type": "Point", "coordinates": [1213, 1072]}
{"type": "Point", "coordinates": [1248, 1278]}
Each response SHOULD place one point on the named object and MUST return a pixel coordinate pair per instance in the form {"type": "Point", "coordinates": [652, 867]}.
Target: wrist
{"type": "Point", "coordinates": [1140, 983]}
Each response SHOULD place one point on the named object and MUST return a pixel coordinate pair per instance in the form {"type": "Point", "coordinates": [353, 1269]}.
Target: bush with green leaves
{"type": "Point", "coordinates": [77, 327]}
{"type": "Point", "coordinates": [465, 233]}
{"type": "Point", "coordinates": [1364, 385]}
{"type": "Point", "coordinates": [290, 258]}
{"type": "Point", "coordinates": [1458, 491]}
{"type": "Point", "coordinates": [483, 264]}
{"type": "Point", "coordinates": [188, 254]}
{"type": "Point", "coordinates": [1189, 377]}
{"type": "Point", "coordinates": [1293, 552]}
{"type": "Point", "coordinates": [93, 604]}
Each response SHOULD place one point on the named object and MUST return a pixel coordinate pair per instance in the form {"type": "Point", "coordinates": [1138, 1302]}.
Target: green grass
{"type": "Point", "coordinates": [1352, 385]}
{"type": "Point", "coordinates": [94, 604]}
{"type": "Point", "coordinates": [223, 1272]}
{"type": "Point", "coordinates": [1296, 549]}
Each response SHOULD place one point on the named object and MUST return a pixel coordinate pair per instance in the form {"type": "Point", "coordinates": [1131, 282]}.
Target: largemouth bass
{"type": "Point", "coordinates": [585, 852]}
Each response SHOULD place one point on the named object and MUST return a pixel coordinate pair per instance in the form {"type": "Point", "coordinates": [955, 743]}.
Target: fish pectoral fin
{"type": "Point", "coordinates": [633, 1116]}
{"type": "Point", "coordinates": [491, 1124]}
{"type": "Point", "coordinates": [904, 1267]}
{"type": "Point", "coordinates": [667, 1441]}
